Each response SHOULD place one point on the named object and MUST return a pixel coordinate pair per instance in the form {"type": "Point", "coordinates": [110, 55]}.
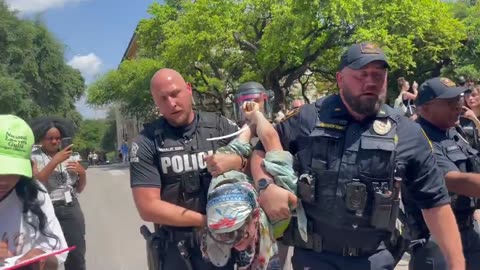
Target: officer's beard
{"type": "Point", "coordinates": [363, 105]}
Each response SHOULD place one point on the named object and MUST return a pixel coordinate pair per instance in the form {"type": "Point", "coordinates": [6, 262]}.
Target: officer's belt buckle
{"type": "Point", "coordinates": [351, 252]}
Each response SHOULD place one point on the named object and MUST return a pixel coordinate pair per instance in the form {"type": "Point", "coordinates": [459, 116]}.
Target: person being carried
{"type": "Point", "coordinates": [236, 225]}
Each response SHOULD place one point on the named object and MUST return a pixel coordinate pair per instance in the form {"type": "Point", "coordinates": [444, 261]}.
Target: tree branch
{"type": "Point", "coordinates": [328, 75]}
{"type": "Point", "coordinates": [305, 86]}
{"type": "Point", "coordinates": [245, 44]}
{"type": "Point", "coordinates": [202, 75]}
{"type": "Point", "coordinates": [259, 31]}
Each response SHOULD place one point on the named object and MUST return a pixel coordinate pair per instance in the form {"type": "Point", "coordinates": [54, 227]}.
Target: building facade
{"type": "Point", "coordinates": [127, 127]}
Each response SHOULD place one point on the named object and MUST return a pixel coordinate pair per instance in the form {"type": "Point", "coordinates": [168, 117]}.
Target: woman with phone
{"type": "Point", "coordinates": [28, 225]}
{"type": "Point", "coordinates": [64, 179]}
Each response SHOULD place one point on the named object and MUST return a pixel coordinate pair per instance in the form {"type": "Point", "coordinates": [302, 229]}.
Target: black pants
{"type": "Point", "coordinates": [173, 260]}
{"type": "Point", "coordinates": [73, 225]}
{"type": "Point", "coordinates": [428, 256]}
{"type": "Point", "coordinates": [308, 259]}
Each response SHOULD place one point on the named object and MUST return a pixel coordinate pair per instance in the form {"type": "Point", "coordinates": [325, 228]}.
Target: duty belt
{"type": "Point", "coordinates": [318, 245]}
{"type": "Point", "coordinates": [175, 235]}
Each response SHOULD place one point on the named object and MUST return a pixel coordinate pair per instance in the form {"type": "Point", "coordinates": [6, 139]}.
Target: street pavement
{"type": "Point", "coordinates": [113, 238]}
{"type": "Point", "coordinates": [112, 223]}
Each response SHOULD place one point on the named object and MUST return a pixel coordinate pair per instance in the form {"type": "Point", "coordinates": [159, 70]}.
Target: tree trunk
{"type": "Point", "coordinates": [223, 107]}
{"type": "Point", "coordinates": [279, 96]}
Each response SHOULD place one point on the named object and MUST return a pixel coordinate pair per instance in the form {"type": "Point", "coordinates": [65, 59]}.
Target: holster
{"type": "Point", "coordinates": [155, 248]}
{"type": "Point", "coordinates": [397, 246]}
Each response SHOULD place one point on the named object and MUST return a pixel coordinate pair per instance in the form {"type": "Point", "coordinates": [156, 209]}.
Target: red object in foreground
{"type": "Point", "coordinates": [38, 258]}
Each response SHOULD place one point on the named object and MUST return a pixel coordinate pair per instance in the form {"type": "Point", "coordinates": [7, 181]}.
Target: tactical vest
{"type": "Point", "coordinates": [467, 160]}
{"type": "Point", "coordinates": [185, 179]}
{"type": "Point", "coordinates": [347, 183]}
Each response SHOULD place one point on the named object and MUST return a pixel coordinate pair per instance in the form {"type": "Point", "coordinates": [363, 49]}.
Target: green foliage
{"type": "Point", "coordinates": [34, 79]}
{"type": "Point", "coordinates": [129, 85]}
{"type": "Point", "coordinates": [95, 135]}
{"type": "Point", "coordinates": [467, 58]}
{"type": "Point", "coordinates": [110, 135]}
{"type": "Point", "coordinates": [218, 44]}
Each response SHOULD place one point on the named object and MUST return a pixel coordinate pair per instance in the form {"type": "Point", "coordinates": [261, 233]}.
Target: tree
{"type": "Point", "coordinates": [218, 44]}
{"type": "Point", "coordinates": [34, 78]}
{"type": "Point", "coordinates": [129, 86]}
{"type": "Point", "coordinates": [110, 135]}
{"type": "Point", "coordinates": [467, 59]}
{"type": "Point", "coordinates": [92, 135]}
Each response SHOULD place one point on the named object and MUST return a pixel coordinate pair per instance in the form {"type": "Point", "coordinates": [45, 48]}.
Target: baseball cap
{"type": "Point", "coordinates": [438, 87]}
{"type": "Point", "coordinates": [359, 55]}
{"type": "Point", "coordinates": [228, 208]}
{"type": "Point", "coordinates": [16, 141]}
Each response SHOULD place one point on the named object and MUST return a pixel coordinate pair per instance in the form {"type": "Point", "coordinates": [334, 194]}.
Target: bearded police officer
{"type": "Point", "coordinates": [353, 155]}
{"type": "Point", "coordinates": [440, 107]}
{"type": "Point", "coordinates": [168, 172]}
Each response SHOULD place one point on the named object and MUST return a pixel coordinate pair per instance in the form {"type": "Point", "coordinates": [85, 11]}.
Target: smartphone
{"type": "Point", "coordinates": [66, 142]}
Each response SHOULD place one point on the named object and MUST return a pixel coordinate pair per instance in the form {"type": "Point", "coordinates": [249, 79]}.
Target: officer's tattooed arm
{"type": "Point", "coordinates": [152, 208]}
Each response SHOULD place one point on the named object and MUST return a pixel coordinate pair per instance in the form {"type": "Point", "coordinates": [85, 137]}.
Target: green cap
{"type": "Point", "coordinates": [16, 141]}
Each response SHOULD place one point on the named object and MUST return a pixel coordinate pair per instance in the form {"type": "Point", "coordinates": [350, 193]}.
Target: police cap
{"type": "Point", "coordinates": [359, 55]}
{"type": "Point", "coordinates": [442, 88]}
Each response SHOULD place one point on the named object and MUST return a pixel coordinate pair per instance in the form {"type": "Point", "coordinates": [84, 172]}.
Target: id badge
{"type": "Point", "coordinates": [68, 197]}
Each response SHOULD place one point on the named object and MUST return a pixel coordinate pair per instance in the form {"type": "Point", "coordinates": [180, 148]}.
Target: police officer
{"type": "Point", "coordinates": [168, 170]}
{"type": "Point", "coordinates": [440, 108]}
{"type": "Point", "coordinates": [353, 155]}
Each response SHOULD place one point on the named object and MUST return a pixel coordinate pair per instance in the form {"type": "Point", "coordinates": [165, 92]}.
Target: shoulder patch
{"type": "Point", "coordinates": [133, 152]}
{"type": "Point", "coordinates": [290, 114]}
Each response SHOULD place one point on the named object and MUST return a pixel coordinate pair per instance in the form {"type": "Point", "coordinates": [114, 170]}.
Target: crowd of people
{"type": "Point", "coordinates": [368, 183]}
{"type": "Point", "coordinates": [348, 181]}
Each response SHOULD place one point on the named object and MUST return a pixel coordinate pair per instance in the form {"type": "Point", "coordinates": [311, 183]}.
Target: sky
{"type": "Point", "coordinates": [95, 33]}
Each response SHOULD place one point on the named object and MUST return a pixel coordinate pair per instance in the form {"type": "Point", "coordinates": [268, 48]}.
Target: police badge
{"type": "Point", "coordinates": [382, 127]}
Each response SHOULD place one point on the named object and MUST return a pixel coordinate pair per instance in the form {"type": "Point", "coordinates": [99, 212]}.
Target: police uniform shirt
{"type": "Point", "coordinates": [462, 207]}
{"type": "Point", "coordinates": [424, 181]}
{"type": "Point", "coordinates": [437, 136]}
{"type": "Point", "coordinates": [144, 169]}
{"type": "Point", "coordinates": [470, 132]}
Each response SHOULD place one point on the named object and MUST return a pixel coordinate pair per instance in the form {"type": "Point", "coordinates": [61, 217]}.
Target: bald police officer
{"type": "Point", "coordinates": [439, 110]}
{"type": "Point", "coordinates": [353, 154]}
{"type": "Point", "coordinates": [168, 170]}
